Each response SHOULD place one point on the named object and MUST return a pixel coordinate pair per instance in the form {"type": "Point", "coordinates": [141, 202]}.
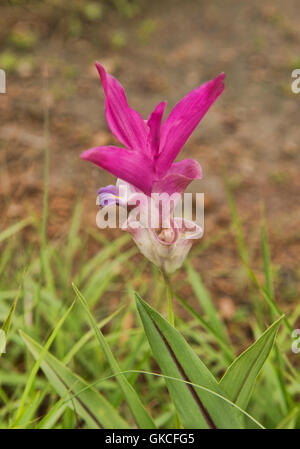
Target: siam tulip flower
{"type": "Point", "coordinates": [146, 164]}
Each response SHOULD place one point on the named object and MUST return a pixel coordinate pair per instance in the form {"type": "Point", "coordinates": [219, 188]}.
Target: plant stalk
{"type": "Point", "coordinates": [169, 298]}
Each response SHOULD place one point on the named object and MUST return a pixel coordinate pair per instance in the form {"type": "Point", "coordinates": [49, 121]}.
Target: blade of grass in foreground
{"type": "Point", "coordinates": [140, 414]}
{"type": "Point", "coordinates": [90, 405]}
{"type": "Point", "coordinates": [266, 291]}
{"type": "Point", "coordinates": [290, 420]}
{"type": "Point", "coordinates": [196, 408]}
{"type": "Point", "coordinates": [36, 366]}
{"type": "Point", "coordinates": [270, 290]}
{"type": "Point", "coordinates": [241, 244]}
{"type": "Point", "coordinates": [105, 254]}
{"type": "Point", "coordinates": [29, 410]}
{"type": "Point", "coordinates": [267, 262]}
{"type": "Point", "coordinates": [54, 413]}
{"type": "Point", "coordinates": [242, 247]}
{"type": "Point", "coordinates": [88, 335]}
{"type": "Point", "coordinates": [228, 353]}
{"type": "Point", "coordinates": [7, 323]}
{"type": "Point", "coordinates": [239, 379]}
{"type": "Point", "coordinates": [8, 232]}
{"type": "Point", "coordinates": [176, 379]}
{"type": "Point", "coordinates": [206, 303]}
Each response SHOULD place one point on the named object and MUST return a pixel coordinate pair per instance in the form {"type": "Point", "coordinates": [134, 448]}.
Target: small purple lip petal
{"type": "Point", "coordinates": [184, 118]}
{"type": "Point", "coordinates": [125, 123]}
{"type": "Point", "coordinates": [109, 189]}
{"type": "Point", "coordinates": [107, 196]}
{"type": "Point", "coordinates": [107, 200]}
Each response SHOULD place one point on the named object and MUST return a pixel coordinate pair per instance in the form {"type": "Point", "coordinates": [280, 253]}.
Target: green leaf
{"type": "Point", "coordinates": [140, 414]}
{"type": "Point", "coordinates": [50, 419]}
{"type": "Point", "coordinates": [228, 353]}
{"type": "Point", "coordinates": [206, 303]}
{"type": "Point", "coordinates": [36, 366]}
{"type": "Point", "coordinates": [286, 396]}
{"type": "Point", "coordinates": [196, 407]}
{"type": "Point", "coordinates": [239, 379]}
{"type": "Point", "coordinates": [7, 323]}
{"type": "Point", "coordinates": [239, 235]}
{"type": "Point", "coordinates": [7, 233]}
{"type": "Point", "coordinates": [289, 421]}
{"type": "Point", "coordinates": [86, 401]}
{"type": "Point", "coordinates": [267, 260]}
{"type": "Point", "coordinates": [243, 251]}
{"type": "Point", "coordinates": [29, 410]}
{"type": "Point", "coordinates": [88, 335]}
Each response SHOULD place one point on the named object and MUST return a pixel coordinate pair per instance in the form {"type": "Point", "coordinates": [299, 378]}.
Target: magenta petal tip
{"type": "Point", "coordinates": [99, 67]}
{"type": "Point", "coordinates": [84, 155]}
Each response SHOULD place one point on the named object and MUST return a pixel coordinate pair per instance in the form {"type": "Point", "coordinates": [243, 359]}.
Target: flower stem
{"type": "Point", "coordinates": [169, 298]}
{"type": "Point", "coordinates": [166, 277]}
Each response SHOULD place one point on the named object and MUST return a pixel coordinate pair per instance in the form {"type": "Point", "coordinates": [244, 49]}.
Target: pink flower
{"type": "Point", "coordinates": [147, 161]}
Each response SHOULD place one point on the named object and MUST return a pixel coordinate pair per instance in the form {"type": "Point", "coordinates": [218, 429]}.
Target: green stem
{"type": "Point", "coordinates": [169, 298]}
{"type": "Point", "coordinates": [171, 318]}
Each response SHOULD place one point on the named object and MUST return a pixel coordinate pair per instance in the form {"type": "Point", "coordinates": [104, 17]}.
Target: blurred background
{"type": "Point", "coordinates": [159, 50]}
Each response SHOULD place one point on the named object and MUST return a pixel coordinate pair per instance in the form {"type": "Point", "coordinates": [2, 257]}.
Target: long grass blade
{"type": "Point", "coordinates": [140, 414]}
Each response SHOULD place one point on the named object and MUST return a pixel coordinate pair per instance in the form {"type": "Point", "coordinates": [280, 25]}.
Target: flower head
{"type": "Point", "coordinates": [147, 161]}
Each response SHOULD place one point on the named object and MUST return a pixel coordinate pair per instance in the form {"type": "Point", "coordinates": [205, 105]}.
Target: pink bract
{"type": "Point", "coordinates": [151, 147]}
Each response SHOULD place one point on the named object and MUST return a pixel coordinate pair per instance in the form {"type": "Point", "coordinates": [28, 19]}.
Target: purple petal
{"type": "Point", "coordinates": [131, 166]}
{"type": "Point", "coordinates": [178, 177]}
{"type": "Point", "coordinates": [154, 123]}
{"type": "Point", "coordinates": [184, 118]}
{"type": "Point", "coordinates": [125, 123]}
{"type": "Point", "coordinates": [107, 196]}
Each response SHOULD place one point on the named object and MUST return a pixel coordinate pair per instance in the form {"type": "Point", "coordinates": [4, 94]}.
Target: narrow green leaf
{"type": "Point", "coordinates": [269, 298]}
{"type": "Point", "coordinates": [86, 401]}
{"type": "Point", "coordinates": [140, 414]}
{"type": "Point", "coordinates": [206, 303]}
{"type": "Point", "coordinates": [196, 408]}
{"type": "Point", "coordinates": [223, 344]}
{"type": "Point", "coordinates": [113, 248]}
{"type": "Point", "coordinates": [88, 335]}
{"type": "Point", "coordinates": [7, 323]}
{"type": "Point", "coordinates": [240, 240]}
{"type": "Point", "coordinates": [239, 379]}
{"type": "Point", "coordinates": [242, 248]}
{"type": "Point", "coordinates": [29, 410]}
{"type": "Point", "coordinates": [286, 397]}
{"type": "Point", "coordinates": [8, 232]}
{"type": "Point", "coordinates": [50, 419]}
{"type": "Point", "coordinates": [267, 260]}
{"type": "Point", "coordinates": [36, 366]}
{"type": "Point", "coordinates": [289, 421]}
